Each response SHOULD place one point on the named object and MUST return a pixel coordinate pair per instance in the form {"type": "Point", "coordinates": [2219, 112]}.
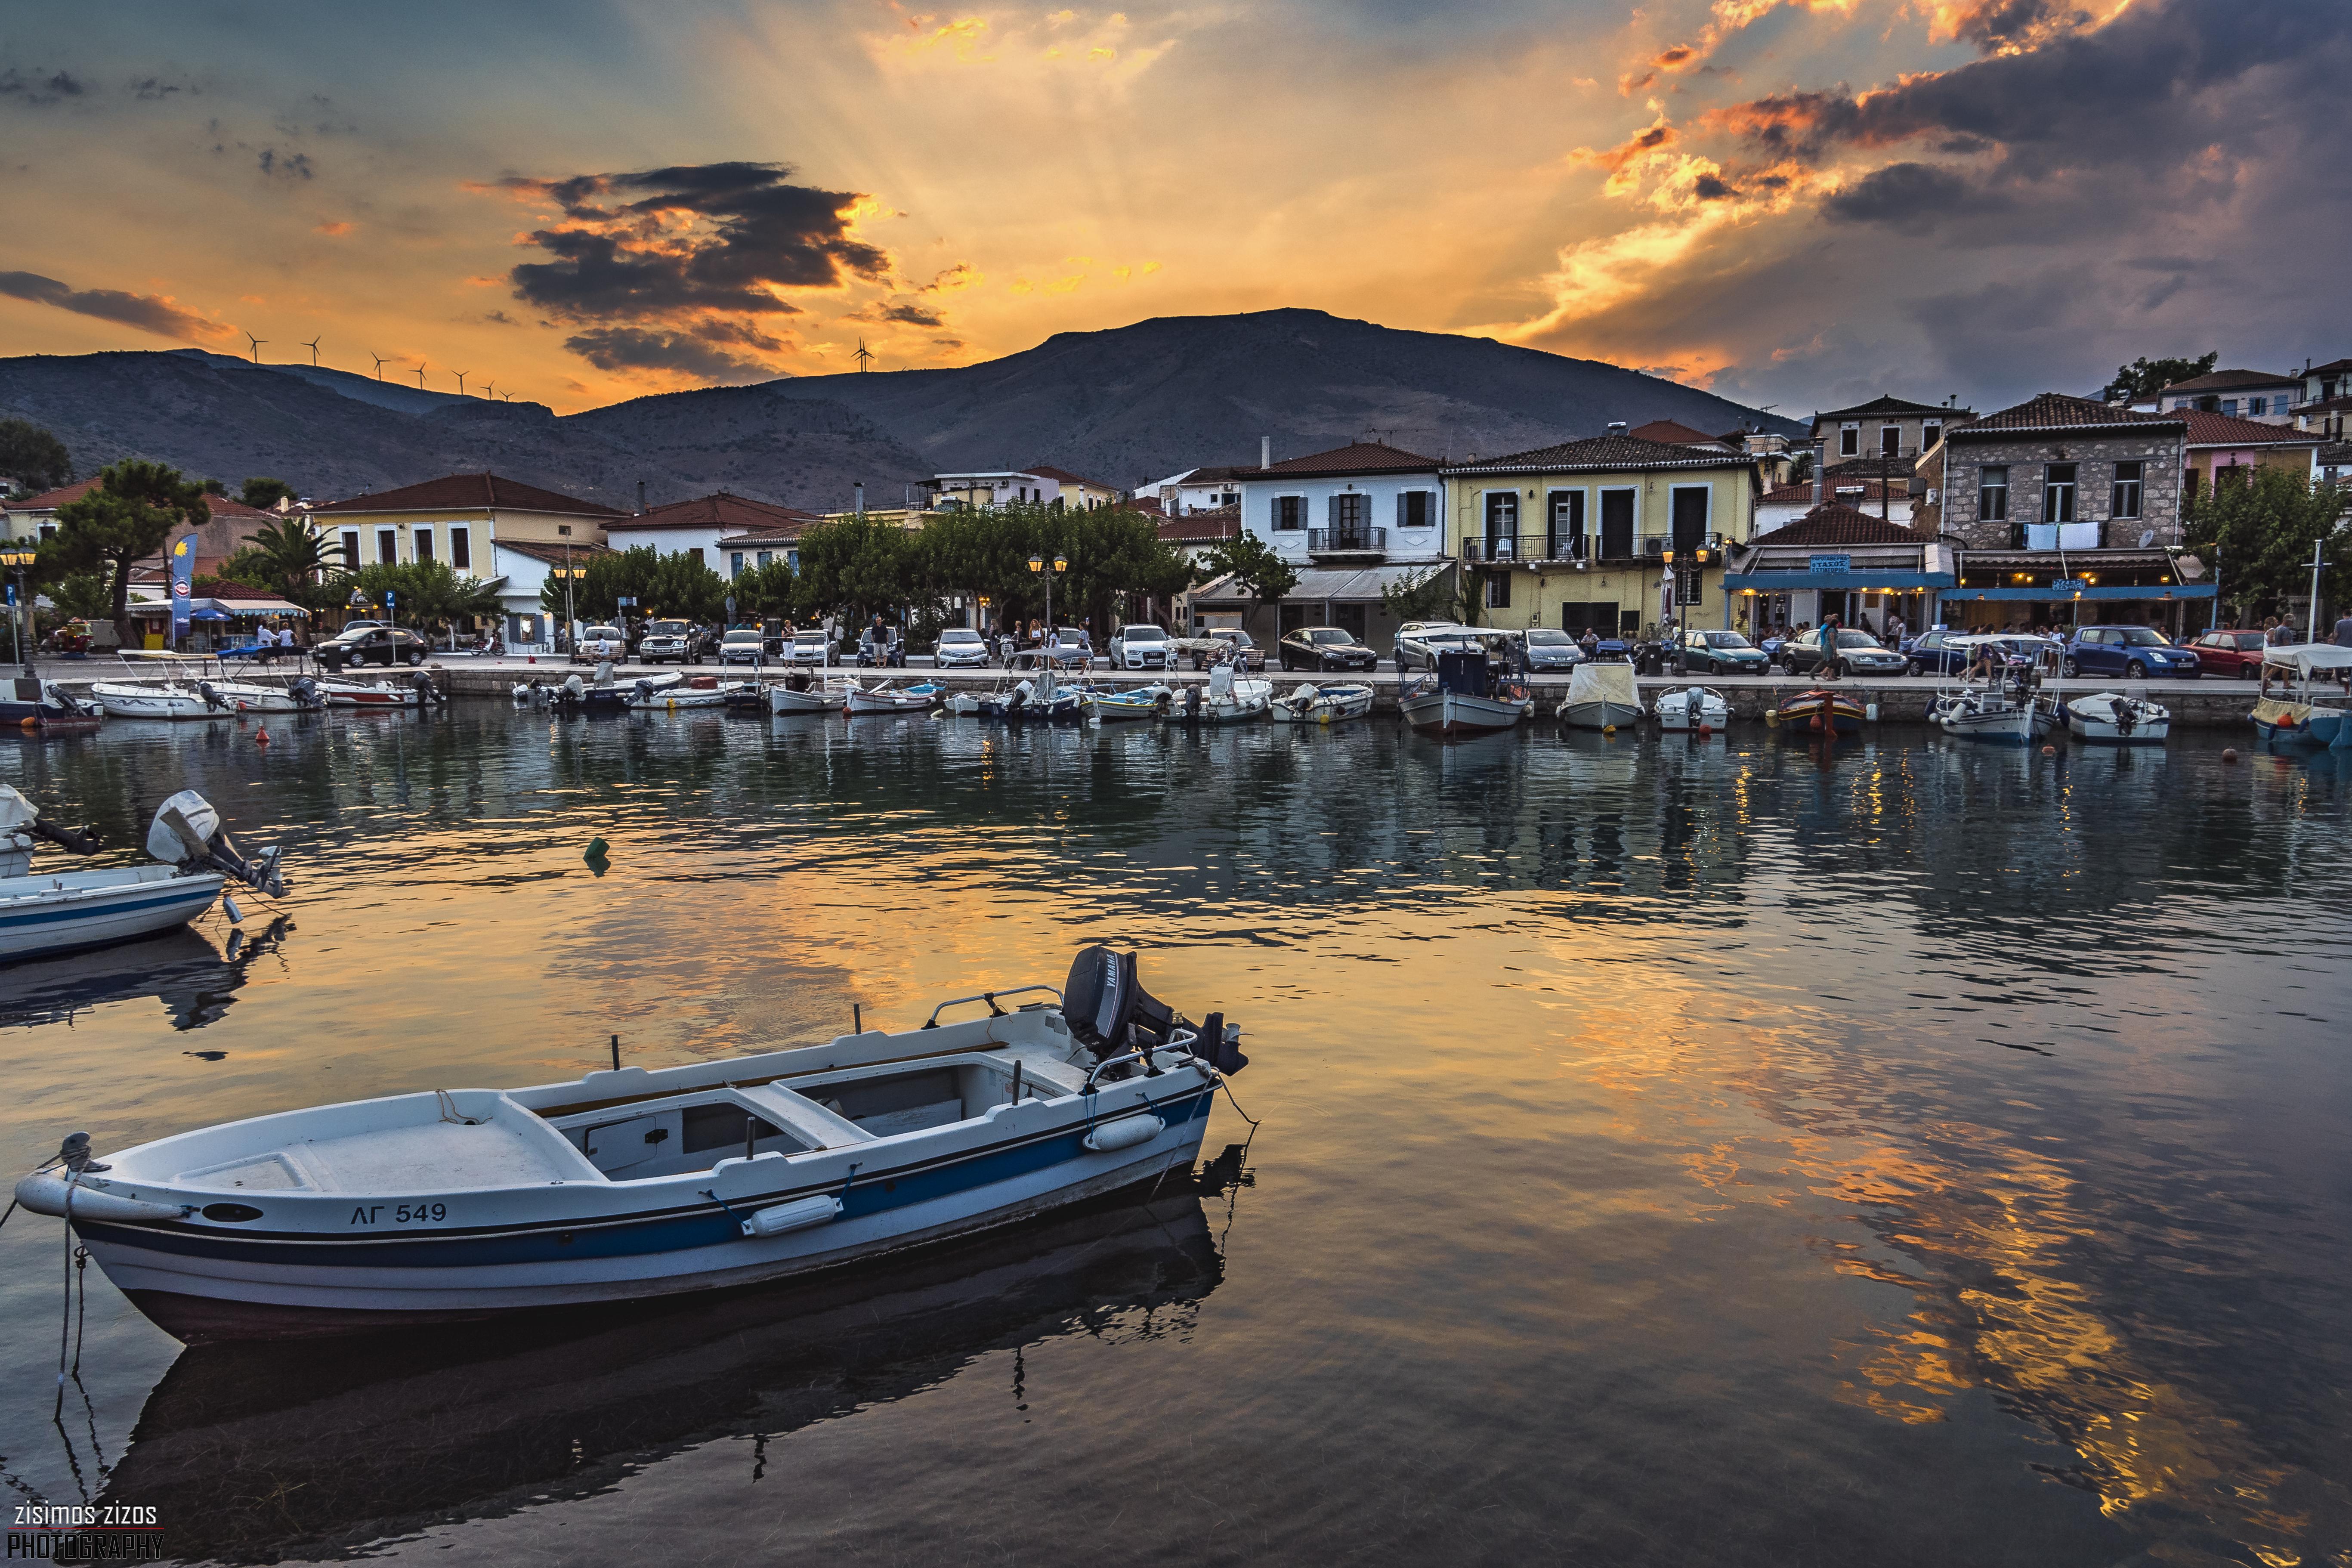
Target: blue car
{"type": "Point", "coordinates": [2134, 652]}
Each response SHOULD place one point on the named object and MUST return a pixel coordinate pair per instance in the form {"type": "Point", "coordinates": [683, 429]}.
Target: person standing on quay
{"type": "Point", "coordinates": [1828, 634]}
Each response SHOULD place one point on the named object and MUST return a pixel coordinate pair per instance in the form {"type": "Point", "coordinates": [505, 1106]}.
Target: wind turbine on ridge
{"type": "Point", "coordinates": [314, 346]}
{"type": "Point", "coordinates": [461, 382]}
{"type": "Point", "coordinates": [420, 373]}
{"type": "Point", "coordinates": [257, 347]}
{"type": "Point", "coordinates": [379, 364]}
{"type": "Point", "coordinates": [863, 355]}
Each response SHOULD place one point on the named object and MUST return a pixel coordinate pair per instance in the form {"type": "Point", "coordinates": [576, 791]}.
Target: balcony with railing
{"type": "Point", "coordinates": [1364, 541]}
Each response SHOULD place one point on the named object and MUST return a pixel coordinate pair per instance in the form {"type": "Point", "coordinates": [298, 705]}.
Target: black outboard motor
{"type": "Point", "coordinates": [1110, 1012]}
{"type": "Point", "coordinates": [427, 692]}
{"type": "Point", "coordinates": [213, 704]}
{"type": "Point", "coordinates": [305, 690]}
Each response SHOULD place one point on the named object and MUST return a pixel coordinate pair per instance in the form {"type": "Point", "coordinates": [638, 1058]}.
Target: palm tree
{"type": "Point", "coordinates": [296, 556]}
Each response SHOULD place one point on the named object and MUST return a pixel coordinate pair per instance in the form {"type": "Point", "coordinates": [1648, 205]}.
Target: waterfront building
{"type": "Point", "coordinates": [1611, 532]}
{"type": "Point", "coordinates": [2241, 393]}
{"type": "Point", "coordinates": [1886, 427]}
{"type": "Point", "coordinates": [1836, 560]}
{"type": "Point", "coordinates": [1040, 484]}
{"type": "Point", "coordinates": [701, 526]}
{"type": "Point", "coordinates": [2219, 446]}
{"type": "Point", "coordinates": [1195, 490]}
{"type": "Point", "coordinates": [1194, 536]}
{"type": "Point", "coordinates": [473, 523]}
{"type": "Point", "coordinates": [1887, 499]}
{"type": "Point", "coordinates": [2066, 509]}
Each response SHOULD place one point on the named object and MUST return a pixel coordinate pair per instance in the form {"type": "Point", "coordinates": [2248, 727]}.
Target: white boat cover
{"type": "Point", "coordinates": [1603, 683]}
{"type": "Point", "coordinates": [2308, 657]}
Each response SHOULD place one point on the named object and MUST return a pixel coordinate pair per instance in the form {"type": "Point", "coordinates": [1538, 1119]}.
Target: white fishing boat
{"type": "Point", "coordinates": [392, 696]}
{"type": "Point", "coordinates": [799, 695]}
{"type": "Point", "coordinates": [919, 698]}
{"type": "Point", "coordinates": [1031, 693]}
{"type": "Point", "coordinates": [1470, 695]}
{"type": "Point", "coordinates": [1328, 702]}
{"type": "Point", "coordinates": [170, 694]}
{"type": "Point", "coordinates": [1227, 699]}
{"type": "Point", "coordinates": [1688, 707]}
{"type": "Point", "coordinates": [32, 706]}
{"type": "Point", "coordinates": [679, 696]}
{"type": "Point", "coordinates": [633, 1183]}
{"type": "Point", "coordinates": [1113, 707]}
{"type": "Point", "coordinates": [2112, 718]}
{"type": "Point", "coordinates": [59, 911]}
{"type": "Point", "coordinates": [1600, 696]}
{"type": "Point", "coordinates": [2002, 711]}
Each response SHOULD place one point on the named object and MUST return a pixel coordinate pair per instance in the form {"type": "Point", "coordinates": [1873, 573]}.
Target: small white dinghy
{"type": "Point", "coordinates": [810, 697]}
{"type": "Point", "coordinates": [1325, 703]}
{"type": "Point", "coordinates": [2112, 718]}
{"type": "Point", "coordinates": [919, 698]}
{"type": "Point", "coordinates": [1227, 699]}
{"type": "Point", "coordinates": [629, 1183]}
{"type": "Point", "coordinates": [1700, 708]}
{"type": "Point", "coordinates": [393, 696]}
{"type": "Point", "coordinates": [62, 911]}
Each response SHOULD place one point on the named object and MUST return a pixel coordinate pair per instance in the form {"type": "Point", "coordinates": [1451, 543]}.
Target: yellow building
{"type": "Point", "coordinates": [1614, 533]}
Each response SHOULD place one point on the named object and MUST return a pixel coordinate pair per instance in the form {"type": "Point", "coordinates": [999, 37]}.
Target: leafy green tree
{"type": "Point", "coordinates": [2259, 531]}
{"type": "Point", "coordinates": [857, 566]}
{"type": "Point", "coordinates": [295, 558]}
{"type": "Point", "coordinates": [261, 493]}
{"type": "Point", "coordinates": [762, 593]}
{"type": "Point", "coordinates": [33, 457]}
{"type": "Point", "coordinates": [136, 508]}
{"type": "Point", "coordinates": [677, 584]}
{"type": "Point", "coordinates": [1427, 595]}
{"type": "Point", "coordinates": [83, 597]}
{"type": "Point", "coordinates": [1254, 565]}
{"type": "Point", "coordinates": [2145, 377]}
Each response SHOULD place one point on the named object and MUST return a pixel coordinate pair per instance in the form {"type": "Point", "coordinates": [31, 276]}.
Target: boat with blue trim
{"type": "Point", "coordinates": [65, 911]}
{"type": "Point", "coordinates": [633, 1183]}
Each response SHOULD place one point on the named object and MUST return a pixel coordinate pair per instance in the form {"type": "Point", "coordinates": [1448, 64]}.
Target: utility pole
{"type": "Point", "coordinates": [2318, 564]}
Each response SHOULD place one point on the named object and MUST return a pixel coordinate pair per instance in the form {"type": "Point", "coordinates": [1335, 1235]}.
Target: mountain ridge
{"type": "Point", "coordinates": [1126, 406]}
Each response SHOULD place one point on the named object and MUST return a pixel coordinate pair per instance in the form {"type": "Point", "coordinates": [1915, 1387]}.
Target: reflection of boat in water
{"type": "Point", "coordinates": [276, 1449]}
{"type": "Point", "coordinates": [183, 969]}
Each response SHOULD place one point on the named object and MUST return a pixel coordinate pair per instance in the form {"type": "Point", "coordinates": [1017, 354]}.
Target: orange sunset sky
{"type": "Point", "coordinates": [1791, 202]}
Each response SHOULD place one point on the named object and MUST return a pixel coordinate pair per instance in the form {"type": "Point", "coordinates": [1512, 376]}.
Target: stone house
{"type": "Point", "coordinates": [1886, 426]}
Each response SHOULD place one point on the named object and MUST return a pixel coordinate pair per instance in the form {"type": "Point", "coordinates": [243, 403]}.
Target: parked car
{"type": "Point", "coordinates": [1858, 653]}
{"type": "Point", "coordinates": [673, 642]}
{"type": "Point", "coordinates": [597, 643]}
{"type": "Point", "coordinates": [749, 645]}
{"type": "Point", "coordinates": [811, 648]}
{"type": "Point", "coordinates": [1420, 642]}
{"type": "Point", "coordinates": [2134, 652]}
{"type": "Point", "coordinates": [959, 647]}
{"type": "Point", "coordinates": [1322, 648]}
{"type": "Point", "coordinates": [1545, 648]}
{"type": "Point", "coordinates": [371, 644]}
{"type": "Point", "coordinates": [1718, 652]}
{"type": "Point", "coordinates": [1220, 644]}
{"type": "Point", "coordinates": [2230, 650]}
{"type": "Point", "coordinates": [1141, 648]}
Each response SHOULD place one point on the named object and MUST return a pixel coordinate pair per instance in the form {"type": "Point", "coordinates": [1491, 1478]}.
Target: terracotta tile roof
{"type": "Point", "coordinates": [539, 550]}
{"type": "Point", "coordinates": [1224, 523]}
{"type": "Point", "coordinates": [2330, 368]}
{"type": "Point", "coordinates": [1802, 490]}
{"type": "Point", "coordinates": [1359, 458]}
{"type": "Point", "coordinates": [2057, 411]}
{"type": "Point", "coordinates": [223, 508]}
{"type": "Point", "coordinates": [1832, 523]}
{"type": "Point", "coordinates": [457, 491]}
{"type": "Point", "coordinates": [1674, 435]}
{"type": "Point", "coordinates": [2226, 430]}
{"type": "Point", "coordinates": [762, 538]}
{"type": "Point", "coordinates": [740, 515]}
{"type": "Point", "coordinates": [1063, 477]}
{"type": "Point", "coordinates": [1602, 453]}
{"type": "Point", "coordinates": [2228, 381]}
{"type": "Point", "coordinates": [1887, 403]}
{"type": "Point", "coordinates": [49, 500]}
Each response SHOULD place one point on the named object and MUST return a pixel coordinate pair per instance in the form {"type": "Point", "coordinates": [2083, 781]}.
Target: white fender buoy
{"type": "Point", "coordinates": [798, 1214]}
{"type": "Point", "coordinates": [1123, 1133]}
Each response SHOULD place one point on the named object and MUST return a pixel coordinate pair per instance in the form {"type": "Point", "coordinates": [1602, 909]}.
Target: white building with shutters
{"type": "Point", "coordinates": [1363, 504]}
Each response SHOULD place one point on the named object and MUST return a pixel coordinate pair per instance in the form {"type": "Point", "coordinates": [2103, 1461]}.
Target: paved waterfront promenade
{"type": "Point", "coordinates": [2207, 702]}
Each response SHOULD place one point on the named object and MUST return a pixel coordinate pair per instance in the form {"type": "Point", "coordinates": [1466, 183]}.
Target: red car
{"type": "Point", "coordinates": [2229, 651]}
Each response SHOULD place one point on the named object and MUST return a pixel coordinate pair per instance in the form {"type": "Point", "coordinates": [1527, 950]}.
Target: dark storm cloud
{"type": "Point", "coordinates": [689, 353]}
{"type": "Point", "coordinates": [147, 313]}
{"type": "Point", "coordinates": [1911, 198]}
{"type": "Point", "coordinates": [690, 238]}
{"type": "Point", "coordinates": [2159, 83]}
{"type": "Point", "coordinates": [40, 88]}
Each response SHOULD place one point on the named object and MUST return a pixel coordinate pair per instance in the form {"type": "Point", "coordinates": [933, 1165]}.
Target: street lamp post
{"type": "Point", "coordinates": [1061, 565]}
{"type": "Point", "coordinates": [18, 562]}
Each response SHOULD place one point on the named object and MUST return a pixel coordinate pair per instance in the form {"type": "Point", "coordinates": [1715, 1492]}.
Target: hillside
{"type": "Point", "coordinates": [1125, 406]}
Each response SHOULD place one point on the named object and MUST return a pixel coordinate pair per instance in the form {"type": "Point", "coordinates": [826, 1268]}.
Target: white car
{"type": "Point", "coordinates": [597, 643]}
{"type": "Point", "coordinates": [747, 645]}
{"type": "Point", "coordinates": [1141, 648]}
{"type": "Point", "coordinates": [809, 647]}
{"type": "Point", "coordinates": [1420, 642]}
{"type": "Point", "coordinates": [960, 648]}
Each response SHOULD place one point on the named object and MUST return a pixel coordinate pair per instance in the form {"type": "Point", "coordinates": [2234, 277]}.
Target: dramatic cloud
{"type": "Point", "coordinates": [709, 236]}
{"type": "Point", "coordinates": [148, 312]}
{"type": "Point", "coordinates": [695, 352]}
{"type": "Point", "coordinates": [40, 88]}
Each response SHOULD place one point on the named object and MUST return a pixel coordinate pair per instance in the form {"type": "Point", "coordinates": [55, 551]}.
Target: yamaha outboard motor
{"type": "Point", "coordinates": [187, 833]}
{"type": "Point", "coordinates": [1110, 1012]}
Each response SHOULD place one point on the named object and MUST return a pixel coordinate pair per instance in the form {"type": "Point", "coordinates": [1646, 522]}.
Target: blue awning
{"type": "Point", "coordinates": [1865, 581]}
{"type": "Point", "coordinates": [2060, 595]}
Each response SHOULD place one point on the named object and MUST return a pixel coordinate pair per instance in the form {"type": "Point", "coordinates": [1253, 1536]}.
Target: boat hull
{"type": "Point", "coordinates": [1821, 713]}
{"type": "Point", "coordinates": [202, 1285]}
{"type": "Point", "coordinates": [1328, 705]}
{"type": "Point", "coordinates": [1454, 714]}
{"type": "Point", "coordinates": [122, 701]}
{"type": "Point", "coordinates": [2093, 720]}
{"type": "Point", "coordinates": [40, 919]}
{"type": "Point", "coordinates": [1599, 714]}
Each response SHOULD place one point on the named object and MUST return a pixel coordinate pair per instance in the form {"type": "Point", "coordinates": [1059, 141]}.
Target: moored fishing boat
{"type": "Point", "coordinates": [701, 691]}
{"type": "Point", "coordinates": [632, 1183]}
{"type": "Point", "coordinates": [60, 912]}
{"type": "Point", "coordinates": [2304, 717]}
{"type": "Point", "coordinates": [799, 695]}
{"type": "Point", "coordinates": [31, 706]}
{"type": "Point", "coordinates": [1820, 712]}
{"type": "Point", "coordinates": [1470, 696]}
{"type": "Point", "coordinates": [1601, 695]}
{"type": "Point", "coordinates": [2112, 718]}
{"type": "Point", "coordinates": [1113, 707]}
{"type": "Point", "coordinates": [1997, 712]}
{"type": "Point", "coordinates": [1688, 707]}
{"type": "Point", "coordinates": [391, 696]}
{"type": "Point", "coordinates": [1326, 702]}
{"type": "Point", "coordinates": [1227, 699]}
{"type": "Point", "coordinates": [918, 697]}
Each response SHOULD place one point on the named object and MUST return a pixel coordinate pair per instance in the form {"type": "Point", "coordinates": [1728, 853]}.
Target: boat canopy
{"type": "Point", "coordinates": [2306, 659]}
{"type": "Point", "coordinates": [1598, 682]}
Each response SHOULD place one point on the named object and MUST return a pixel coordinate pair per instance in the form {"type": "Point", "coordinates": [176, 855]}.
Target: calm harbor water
{"type": "Point", "coordinates": [1671, 1151]}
